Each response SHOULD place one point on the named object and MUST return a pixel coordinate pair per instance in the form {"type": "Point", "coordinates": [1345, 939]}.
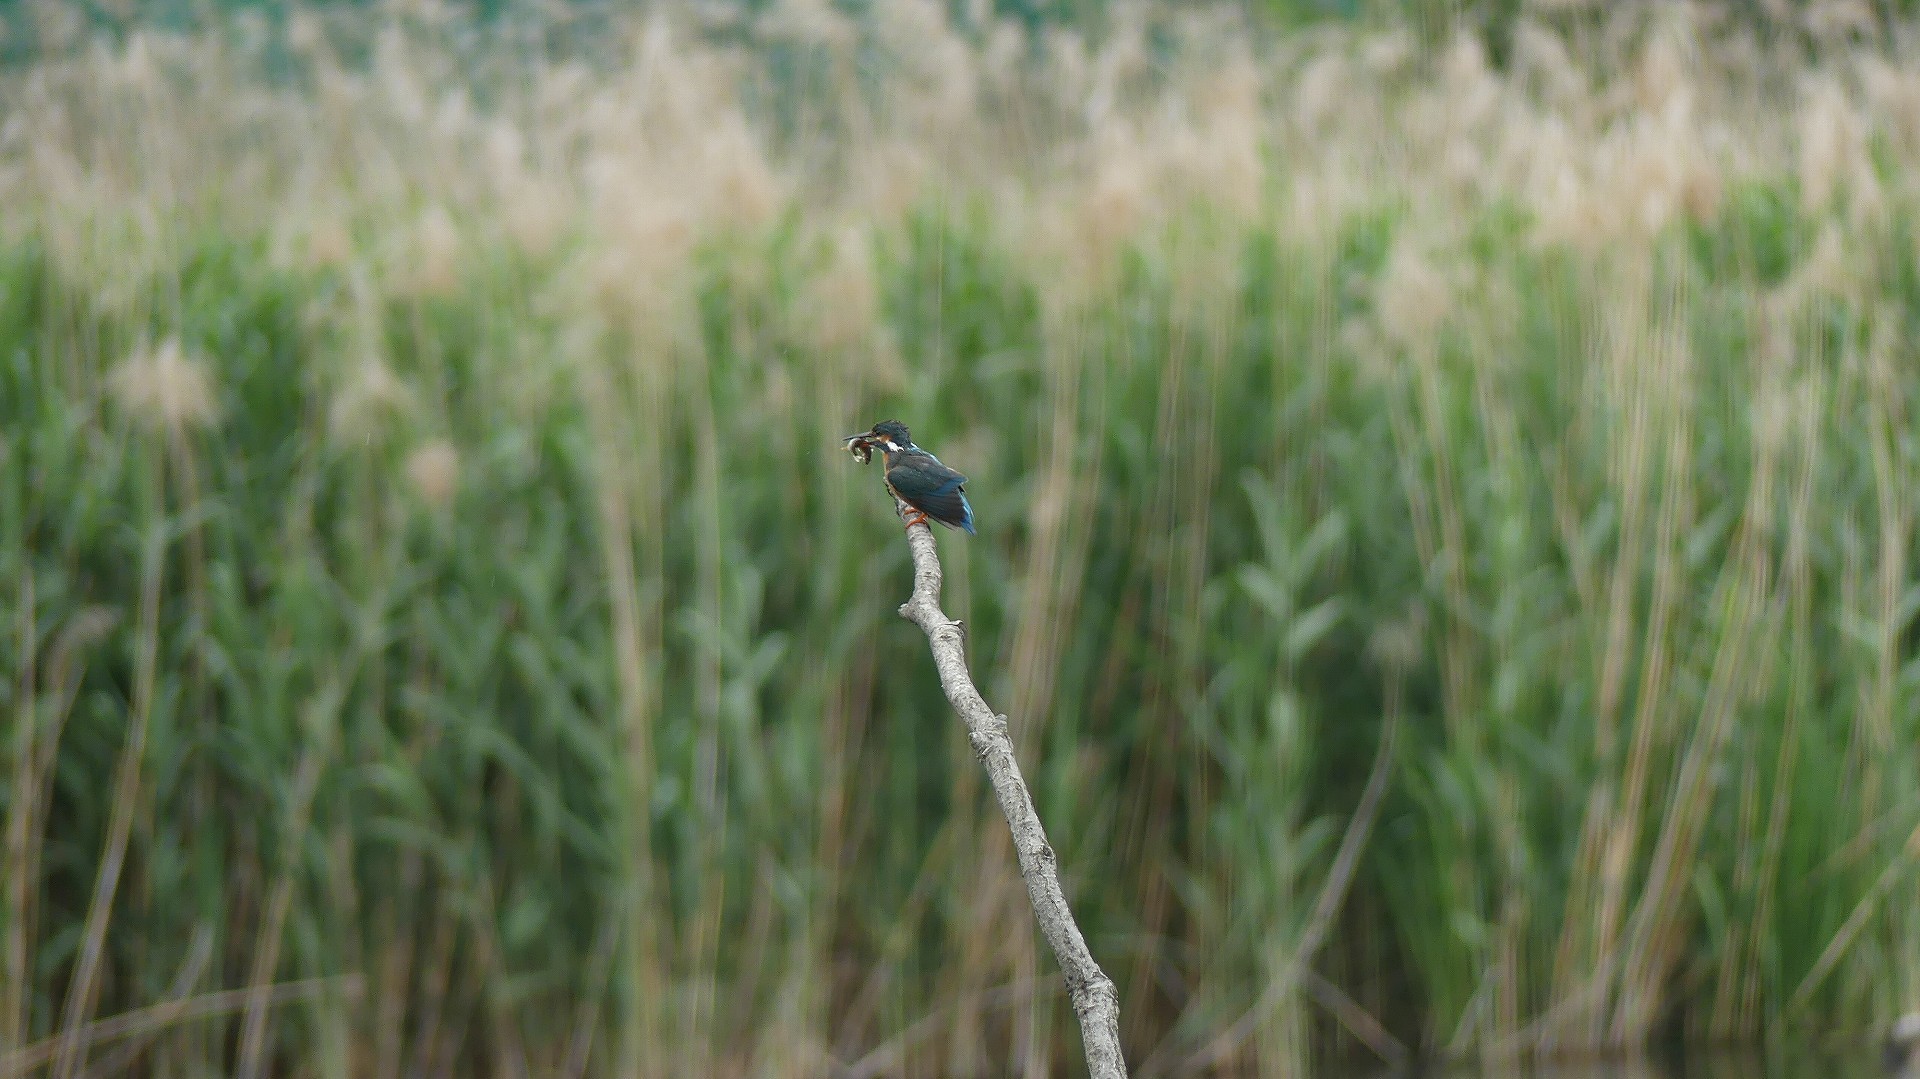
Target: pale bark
{"type": "Point", "coordinates": [1094, 1000]}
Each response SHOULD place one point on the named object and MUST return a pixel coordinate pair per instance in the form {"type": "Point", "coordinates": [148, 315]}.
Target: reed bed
{"type": "Point", "coordinates": [443, 635]}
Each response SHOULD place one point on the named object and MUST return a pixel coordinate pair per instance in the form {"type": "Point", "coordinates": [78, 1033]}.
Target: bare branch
{"type": "Point", "coordinates": [1094, 1000]}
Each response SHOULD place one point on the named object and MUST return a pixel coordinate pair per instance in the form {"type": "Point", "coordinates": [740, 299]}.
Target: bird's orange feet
{"type": "Point", "coordinates": [913, 517]}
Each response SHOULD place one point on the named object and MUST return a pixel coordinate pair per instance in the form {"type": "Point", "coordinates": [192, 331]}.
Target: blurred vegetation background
{"type": "Point", "coordinates": [443, 635]}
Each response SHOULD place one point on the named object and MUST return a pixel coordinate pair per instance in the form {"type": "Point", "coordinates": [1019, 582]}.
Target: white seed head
{"type": "Point", "coordinates": [1413, 298]}
{"type": "Point", "coordinates": [164, 388]}
{"type": "Point", "coordinates": [434, 470]}
{"type": "Point", "coordinates": [808, 22]}
{"type": "Point", "coordinates": [1832, 145]}
{"type": "Point", "coordinates": [328, 243]}
{"type": "Point", "coordinates": [436, 254]}
{"type": "Point", "coordinates": [535, 217]}
{"type": "Point", "coordinates": [1113, 210]}
{"type": "Point", "coordinates": [1893, 91]}
{"type": "Point", "coordinates": [369, 400]}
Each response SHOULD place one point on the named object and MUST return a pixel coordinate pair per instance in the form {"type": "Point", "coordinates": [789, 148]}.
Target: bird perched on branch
{"type": "Point", "coordinates": [930, 489]}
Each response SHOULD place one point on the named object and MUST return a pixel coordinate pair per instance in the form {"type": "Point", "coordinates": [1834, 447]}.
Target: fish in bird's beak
{"type": "Point", "coordinates": [860, 445]}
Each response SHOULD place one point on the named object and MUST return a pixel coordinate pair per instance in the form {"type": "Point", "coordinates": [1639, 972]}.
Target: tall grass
{"type": "Point", "coordinates": [439, 618]}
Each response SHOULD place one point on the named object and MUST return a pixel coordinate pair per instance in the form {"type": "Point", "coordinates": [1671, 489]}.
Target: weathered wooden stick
{"type": "Point", "coordinates": [1094, 1000]}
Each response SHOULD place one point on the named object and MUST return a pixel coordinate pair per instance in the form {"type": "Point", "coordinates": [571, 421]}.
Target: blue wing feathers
{"type": "Point", "coordinates": [932, 488]}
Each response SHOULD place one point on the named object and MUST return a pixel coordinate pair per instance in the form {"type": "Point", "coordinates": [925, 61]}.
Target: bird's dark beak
{"type": "Point", "coordinates": [851, 439]}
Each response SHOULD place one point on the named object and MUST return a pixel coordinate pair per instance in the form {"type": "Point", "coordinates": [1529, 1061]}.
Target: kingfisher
{"type": "Point", "coordinates": [931, 490]}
